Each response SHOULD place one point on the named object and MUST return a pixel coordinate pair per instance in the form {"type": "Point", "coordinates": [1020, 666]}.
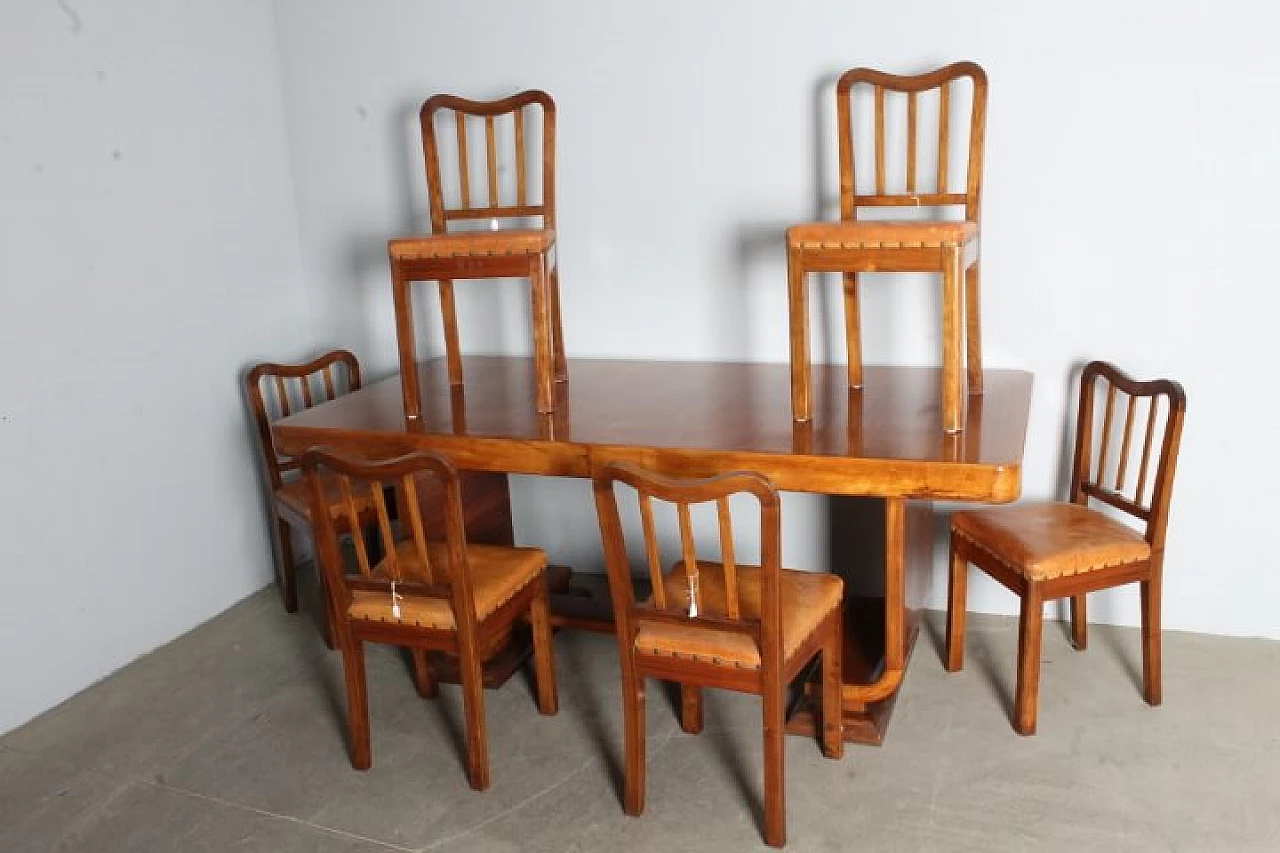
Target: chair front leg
{"type": "Point", "coordinates": [557, 325]}
{"type": "Point", "coordinates": [288, 574]}
{"type": "Point", "coordinates": [357, 700]}
{"type": "Point", "coordinates": [1030, 631]}
{"type": "Point", "coordinates": [973, 327]}
{"type": "Point", "coordinates": [1152, 686]}
{"type": "Point", "coordinates": [957, 595]}
{"type": "Point", "coordinates": [423, 678]}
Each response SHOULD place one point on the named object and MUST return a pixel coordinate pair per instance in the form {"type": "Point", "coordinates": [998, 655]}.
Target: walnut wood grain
{"type": "Point", "coordinates": [697, 419]}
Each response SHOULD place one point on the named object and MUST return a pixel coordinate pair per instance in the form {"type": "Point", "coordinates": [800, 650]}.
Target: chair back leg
{"type": "Point", "coordinates": [1079, 622]}
{"type": "Point", "coordinates": [957, 595]}
{"type": "Point", "coordinates": [691, 708]}
{"type": "Point", "coordinates": [544, 661]}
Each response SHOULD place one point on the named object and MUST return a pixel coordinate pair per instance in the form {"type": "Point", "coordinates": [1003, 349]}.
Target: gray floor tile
{"type": "Point", "coordinates": [233, 738]}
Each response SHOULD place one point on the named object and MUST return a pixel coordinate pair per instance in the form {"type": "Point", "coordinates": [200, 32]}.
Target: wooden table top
{"type": "Point", "coordinates": [694, 419]}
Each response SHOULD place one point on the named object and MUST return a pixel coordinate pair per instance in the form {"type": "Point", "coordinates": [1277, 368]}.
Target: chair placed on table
{"type": "Point", "coordinates": [941, 246]}
{"type": "Point", "coordinates": [432, 591]}
{"type": "Point", "coordinates": [447, 256]}
{"type": "Point", "coordinates": [275, 391]}
{"type": "Point", "coordinates": [1044, 551]}
{"type": "Point", "coordinates": [718, 624]}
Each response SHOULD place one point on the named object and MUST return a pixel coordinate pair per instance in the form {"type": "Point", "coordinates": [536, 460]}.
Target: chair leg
{"type": "Point", "coordinates": [1079, 622]}
{"type": "Point", "coordinates": [973, 327]}
{"type": "Point", "coordinates": [691, 708]}
{"type": "Point", "coordinates": [288, 573]}
{"type": "Point", "coordinates": [332, 617]}
{"type": "Point", "coordinates": [833, 690]}
{"type": "Point", "coordinates": [952, 399]}
{"type": "Point", "coordinates": [540, 315]}
{"type": "Point", "coordinates": [1030, 630]}
{"type": "Point", "coordinates": [472, 677]}
{"type": "Point", "coordinates": [1152, 686]}
{"type": "Point", "coordinates": [557, 326]}
{"type": "Point", "coordinates": [775, 795]}
{"type": "Point", "coordinates": [357, 701]}
{"type": "Point", "coordinates": [798, 307]}
{"type": "Point", "coordinates": [853, 329]}
{"type": "Point", "coordinates": [544, 658]}
{"type": "Point", "coordinates": [449, 318]}
{"type": "Point", "coordinates": [423, 678]}
{"type": "Point", "coordinates": [633, 719]}
{"type": "Point", "coordinates": [957, 595]}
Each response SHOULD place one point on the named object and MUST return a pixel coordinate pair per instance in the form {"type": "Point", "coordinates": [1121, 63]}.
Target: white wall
{"type": "Point", "coordinates": [1129, 201]}
{"type": "Point", "coordinates": [148, 250]}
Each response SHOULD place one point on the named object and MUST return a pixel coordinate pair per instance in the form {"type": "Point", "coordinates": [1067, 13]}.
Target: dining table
{"type": "Point", "coordinates": [880, 452]}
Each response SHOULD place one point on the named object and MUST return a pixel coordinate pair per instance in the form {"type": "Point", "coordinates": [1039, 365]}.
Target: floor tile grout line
{"type": "Point", "coordinates": [288, 818]}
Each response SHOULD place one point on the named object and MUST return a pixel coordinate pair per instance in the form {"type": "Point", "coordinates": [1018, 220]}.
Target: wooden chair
{"type": "Point", "coordinates": [515, 252]}
{"type": "Point", "coordinates": [1043, 551]}
{"type": "Point", "coordinates": [432, 591]}
{"type": "Point", "coordinates": [745, 628]}
{"type": "Point", "coordinates": [275, 391]}
{"type": "Point", "coordinates": [851, 246]}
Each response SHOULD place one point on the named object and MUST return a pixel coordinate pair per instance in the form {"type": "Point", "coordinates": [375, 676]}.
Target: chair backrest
{"type": "Point", "coordinates": [278, 390]}
{"type": "Point", "coordinates": [911, 190]}
{"type": "Point", "coordinates": [505, 119]}
{"type": "Point", "coordinates": [407, 561]}
{"type": "Point", "coordinates": [1106, 467]}
{"type": "Point", "coordinates": [684, 493]}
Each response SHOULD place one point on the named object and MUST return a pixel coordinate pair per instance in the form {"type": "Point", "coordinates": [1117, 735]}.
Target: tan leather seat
{"type": "Point", "coordinates": [806, 599]}
{"type": "Point", "coordinates": [294, 494]}
{"type": "Point", "coordinates": [1050, 540]}
{"type": "Point", "coordinates": [497, 574]}
{"type": "Point", "coordinates": [514, 241]}
{"type": "Point", "coordinates": [897, 233]}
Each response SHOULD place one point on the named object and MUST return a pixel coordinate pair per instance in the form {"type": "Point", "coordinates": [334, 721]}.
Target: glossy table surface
{"type": "Point", "coordinates": [697, 418]}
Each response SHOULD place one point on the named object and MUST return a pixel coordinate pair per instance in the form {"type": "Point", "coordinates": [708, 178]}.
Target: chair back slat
{"type": "Point", "coordinates": [905, 186]}
{"type": "Point", "coordinates": [912, 97]}
{"type": "Point", "coordinates": [464, 167]}
{"type": "Point", "coordinates": [944, 135]}
{"type": "Point", "coordinates": [1125, 440]}
{"type": "Point", "coordinates": [686, 493]}
{"type": "Point", "coordinates": [413, 509]}
{"type": "Point", "coordinates": [491, 159]}
{"type": "Point", "coordinates": [1146, 450]}
{"type": "Point", "coordinates": [727, 558]}
{"type": "Point", "coordinates": [353, 523]}
{"type": "Point", "coordinates": [505, 144]}
{"type": "Point", "coordinates": [1104, 445]}
{"type": "Point", "coordinates": [404, 546]}
{"type": "Point", "coordinates": [1092, 474]}
{"type": "Point", "coordinates": [522, 155]}
{"type": "Point", "coordinates": [278, 390]}
{"type": "Point", "coordinates": [689, 552]}
{"type": "Point", "coordinates": [652, 553]}
{"type": "Point", "coordinates": [880, 190]}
